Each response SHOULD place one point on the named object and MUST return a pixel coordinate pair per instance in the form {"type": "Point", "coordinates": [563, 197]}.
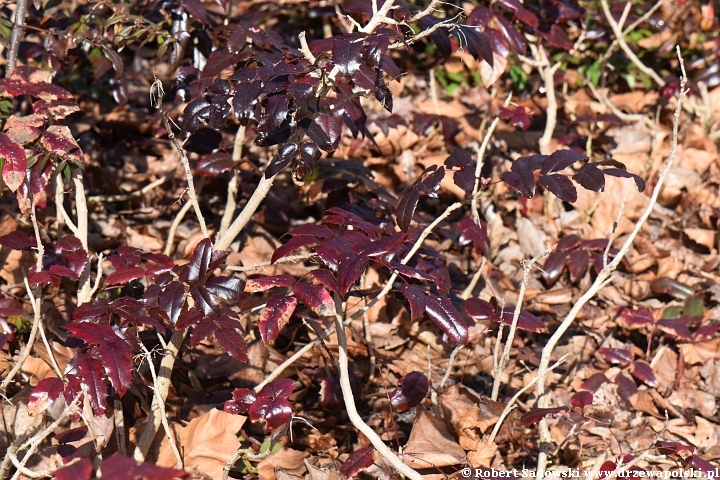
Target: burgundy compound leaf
{"type": "Point", "coordinates": [471, 232]}
{"type": "Point", "coordinates": [443, 314]}
{"type": "Point", "coordinates": [347, 56]}
{"type": "Point", "coordinates": [534, 416]}
{"type": "Point", "coordinates": [282, 159]}
{"type": "Point", "coordinates": [569, 242]}
{"type": "Point", "coordinates": [88, 372]}
{"type": "Point", "coordinates": [671, 448]}
{"type": "Point", "coordinates": [272, 404]}
{"type": "Point", "coordinates": [276, 314]}
{"type": "Point", "coordinates": [380, 247]}
{"type": "Point", "coordinates": [412, 389]}
{"type": "Point", "coordinates": [620, 173]}
{"type": "Point", "coordinates": [526, 321]}
{"type": "Point", "coordinates": [292, 245]}
{"type": "Point", "coordinates": [644, 372]}
{"type": "Point", "coordinates": [213, 164]}
{"type": "Point", "coordinates": [582, 400]}
{"type": "Point", "coordinates": [262, 284]}
{"type": "Point", "coordinates": [359, 460]}
{"type": "Point", "coordinates": [315, 297]}
{"type": "Point", "coordinates": [326, 278]}
{"type": "Point", "coordinates": [229, 289]}
{"type": "Point", "coordinates": [44, 394]}
{"type": "Point", "coordinates": [13, 170]}
{"type": "Point", "coordinates": [116, 354]}
{"type": "Point", "coordinates": [171, 300]}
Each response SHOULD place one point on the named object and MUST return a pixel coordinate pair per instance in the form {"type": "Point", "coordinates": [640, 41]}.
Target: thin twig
{"type": "Point", "coordinates": [16, 36]}
{"type": "Point", "coordinates": [231, 202]}
{"type": "Point", "coordinates": [620, 37]}
{"type": "Point", "coordinates": [511, 403]}
{"type": "Point", "coordinates": [157, 93]}
{"type": "Point", "coordinates": [124, 197]}
{"type": "Point", "coordinates": [162, 387]}
{"type": "Point", "coordinates": [161, 410]}
{"type": "Point", "coordinates": [357, 421]}
{"type": "Point", "coordinates": [604, 276]}
{"type": "Point", "coordinates": [505, 358]}
{"type": "Point", "coordinates": [258, 265]}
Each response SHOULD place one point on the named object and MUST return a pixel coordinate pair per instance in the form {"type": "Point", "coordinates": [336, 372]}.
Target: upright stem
{"type": "Point", "coordinates": [16, 35]}
{"type": "Point", "coordinates": [349, 399]}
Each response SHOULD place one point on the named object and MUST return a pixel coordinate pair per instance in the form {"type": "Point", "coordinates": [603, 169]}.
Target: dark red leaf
{"type": "Point", "coordinates": [443, 314]}
{"type": "Point", "coordinates": [568, 243]}
{"type": "Point", "coordinates": [272, 404]}
{"type": "Point", "coordinates": [668, 286]}
{"type": "Point", "coordinates": [213, 164]}
{"type": "Point", "coordinates": [477, 43]}
{"type": "Point", "coordinates": [644, 372]}
{"type": "Point", "coordinates": [471, 232]}
{"type": "Point", "coordinates": [582, 400]}
{"type": "Point", "coordinates": [44, 394]}
{"type": "Point", "coordinates": [636, 316]}
{"type": "Point", "coordinates": [124, 276]}
{"type": "Point", "coordinates": [229, 289]}
{"type": "Point", "coordinates": [626, 386]}
{"type": "Point", "coordinates": [701, 465]}
{"type": "Point", "coordinates": [577, 263]}
{"type": "Point", "coordinates": [618, 172]}
{"type": "Point", "coordinates": [276, 110]}
{"type": "Point", "coordinates": [81, 470]}
{"type": "Point", "coordinates": [350, 218]}
{"type": "Point", "coordinates": [116, 354]}
{"type": "Point", "coordinates": [407, 203]}
{"type": "Point", "coordinates": [276, 314]}
{"type": "Point", "coordinates": [18, 240]}
{"type": "Point", "coordinates": [350, 269]}
{"type": "Point", "coordinates": [243, 399]}
{"type": "Point", "coordinates": [560, 160]}
{"type": "Point", "coordinates": [244, 96]}
{"type": "Point", "coordinates": [594, 382]}
{"type": "Point", "coordinates": [514, 38]}
{"type": "Point", "coordinates": [590, 177]}
{"type": "Point", "coordinates": [292, 245]}
{"type": "Point", "coordinates": [478, 309]}
{"type": "Point", "coordinates": [534, 416]}
{"type": "Point", "coordinates": [616, 355]}
{"type": "Point", "coordinates": [412, 389]}
{"type": "Point", "coordinates": [526, 321]}
{"type": "Point", "coordinates": [261, 284]}
{"type": "Point", "coordinates": [317, 134]}
{"type": "Point", "coordinates": [228, 337]}
{"type": "Point", "coordinates": [380, 247]}
{"type": "Point", "coordinates": [326, 278]}
{"type": "Point", "coordinates": [560, 186]}
{"type": "Point", "coordinates": [315, 297]}
{"type": "Point", "coordinates": [676, 328]}
{"type": "Point", "coordinates": [347, 56]}
{"type": "Point", "coordinates": [282, 158]}
{"type": "Point", "coordinates": [671, 448]}
{"type": "Point", "coordinates": [359, 460]}
{"type": "Point", "coordinates": [171, 300]}
{"type": "Point", "coordinates": [554, 266]}
{"type": "Point", "coordinates": [13, 170]}
{"type": "Point", "coordinates": [524, 182]}
{"type": "Point", "coordinates": [88, 373]}
{"type": "Point", "coordinates": [416, 299]}
{"type": "Point", "coordinates": [556, 37]}
{"type": "Point", "coordinates": [119, 467]}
